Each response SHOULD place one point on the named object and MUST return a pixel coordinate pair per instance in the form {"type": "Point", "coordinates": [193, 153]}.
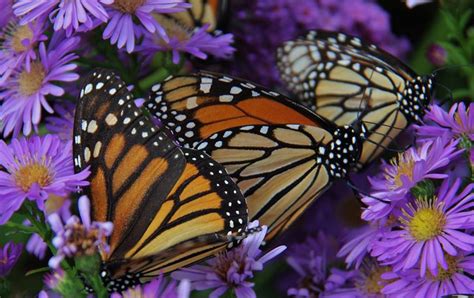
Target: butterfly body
{"type": "Point", "coordinates": [170, 206]}
{"type": "Point", "coordinates": [346, 80]}
{"type": "Point", "coordinates": [281, 155]}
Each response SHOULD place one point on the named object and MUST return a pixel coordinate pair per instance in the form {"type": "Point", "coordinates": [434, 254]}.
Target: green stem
{"type": "Point", "coordinates": [21, 227]}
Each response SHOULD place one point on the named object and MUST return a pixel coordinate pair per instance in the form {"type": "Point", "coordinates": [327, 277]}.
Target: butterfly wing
{"type": "Point", "coordinates": [346, 79]}
{"type": "Point", "coordinates": [198, 105]}
{"type": "Point", "coordinates": [282, 169]}
{"type": "Point", "coordinates": [170, 206]}
{"type": "Point", "coordinates": [212, 12]}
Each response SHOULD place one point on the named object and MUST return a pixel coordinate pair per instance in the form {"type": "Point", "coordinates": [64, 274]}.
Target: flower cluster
{"type": "Point", "coordinates": [9, 255]}
{"type": "Point", "coordinates": [263, 25]}
{"type": "Point", "coordinates": [35, 70]}
{"type": "Point", "coordinates": [412, 237]}
{"type": "Point", "coordinates": [35, 169]}
{"type": "Point", "coordinates": [232, 269]}
{"type": "Point", "coordinates": [77, 237]}
{"type": "Point", "coordinates": [418, 237]}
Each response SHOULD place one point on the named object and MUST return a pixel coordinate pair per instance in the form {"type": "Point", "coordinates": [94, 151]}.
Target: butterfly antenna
{"type": "Point", "coordinates": [450, 93]}
{"type": "Point", "coordinates": [436, 71]}
{"type": "Point", "coordinates": [360, 193]}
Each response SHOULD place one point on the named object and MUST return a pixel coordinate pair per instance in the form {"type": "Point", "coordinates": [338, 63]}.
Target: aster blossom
{"type": "Point", "coordinates": [458, 122]}
{"type": "Point", "coordinates": [158, 287]}
{"type": "Point", "coordinates": [391, 189]}
{"type": "Point", "coordinates": [429, 230]}
{"type": "Point", "coordinates": [55, 204]}
{"type": "Point", "coordinates": [65, 14]}
{"type": "Point", "coordinates": [310, 260]}
{"type": "Point", "coordinates": [9, 255]}
{"type": "Point", "coordinates": [360, 244]}
{"type": "Point", "coordinates": [18, 46]}
{"type": "Point", "coordinates": [35, 169]}
{"type": "Point", "coordinates": [366, 282]}
{"type": "Point", "coordinates": [455, 279]}
{"type": "Point", "coordinates": [282, 20]}
{"type": "Point", "coordinates": [198, 43]}
{"type": "Point", "coordinates": [128, 20]}
{"type": "Point", "coordinates": [24, 96]}
{"type": "Point", "coordinates": [78, 236]}
{"type": "Point", "coordinates": [231, 269]}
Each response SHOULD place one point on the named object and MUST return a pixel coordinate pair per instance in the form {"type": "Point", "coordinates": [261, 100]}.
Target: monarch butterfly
{"type": "Point", "coordinates": [281, 155]}
{"type": "Point", "coordinates": [170, 206]}
{"type": "Point", "coordinates": [212, 12]}
{"type": "Point", "coordinates": [346, 79]}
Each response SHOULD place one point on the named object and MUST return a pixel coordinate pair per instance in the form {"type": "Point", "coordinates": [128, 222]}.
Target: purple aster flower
{"type": "Point", "coordinates": [34, 169]}
{"type": "Point", "coordinates": [231, 269]}
{"type": "Point", "coordinates": [65, 14]}
{"type": "Point", "coordinates": [78, 236]}
{"type": "Point", "coordinates": [436, 54]}
{"type": "Point", "coordinates": [367, 282]}
{"type": "Point", "coordinates": [362, 240]}
{"type": "Point", "coordinates": [430, 229]}
{"type": "Point", "coordinates": [391, 188]}
{"type": "Point", "coordinates": [458, 122]}
{"type": "Point", "coordinates": [9, 255]}
{"type": "Point", "coordinates": [158, 287]}
{"type": "Point", "coordinates": [55, 204]}
{"type": "Point", "coordinates": [198, 43]}
{"type": "Point", "coordinates": [62, 124]}
{"type": "Point", "coordinates": [455, 279]}
{"type": "Point", "coordinates": [310, 260]}
{"type": "Point", "coordinates": [25, 94]}
{"type": "Point", "coordinates": [54, 278]}
{"type": "Point", "coordinates": [128, 19]}
{"type": "Point", "coordinates": [36, 246]}
{"type": "Point", "coordinates": [18, 46]}
{"type": "Point", "coordinates": [261, 26]}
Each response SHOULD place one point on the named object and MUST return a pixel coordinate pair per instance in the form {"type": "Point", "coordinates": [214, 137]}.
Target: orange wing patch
{"type": "Point", "coordinates": [115, 147]}
{"type": "Point", "coordinates": [99, 196]}
{"type": "Point", "coordinates": [134, 196]}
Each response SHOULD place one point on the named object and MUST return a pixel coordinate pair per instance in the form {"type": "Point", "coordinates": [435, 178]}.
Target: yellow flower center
{"type": "Point", "coordinates": [128, 6]}
{"type": "Point", "coordinates": [21, 33]}
{"type": "Point", "coordinates": [84, 240]}
{"type": "Point", "coordinates": [404, 168]}
{"type": "Point", "coordinates": [444, 274]}
{"type": "Point", "coordinates": [27, 175]}
{"type": "Point", "coordinates": [30, 82]}
{"type": "Point", "coordinates": [173, 28]}
{"type": "Point", "coordinates": [427, 220]}
{"type": "Point", "coordinates": [374, 283]}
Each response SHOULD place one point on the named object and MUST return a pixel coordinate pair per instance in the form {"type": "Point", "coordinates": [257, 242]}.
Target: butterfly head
{"type": "Point", "coordinates": [344, 150]}
{"type": "Point", "coordinates": [416, 97]}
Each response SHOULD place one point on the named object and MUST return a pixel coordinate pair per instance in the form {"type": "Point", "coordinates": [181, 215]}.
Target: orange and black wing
{"type": "Point", "coordinates": [282, 169]}
{"type": "Point", "coordinates": [347, 80]}
{"type": "Point", "coordinates": [170, 206]}
{"type": "Point", "coordinates": [212, 12]}
{"type": "Point", "coordinates": [196, 106]}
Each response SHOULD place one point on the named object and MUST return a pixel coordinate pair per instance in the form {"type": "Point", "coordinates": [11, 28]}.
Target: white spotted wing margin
{"type": "Point", "coordinates": [346, 80]}
{"type": "Point", "coordinates": [282, 169]}
{"type": "Point", "coordinates": [170, 207]}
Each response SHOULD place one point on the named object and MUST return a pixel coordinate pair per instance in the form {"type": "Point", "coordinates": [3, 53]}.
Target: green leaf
{"type": "Point", "coordinates": [465, 17]}
{"type": "Point", "coordinates": [449, 20]}
{"type": "Point", "coordinates": [38, 270]}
